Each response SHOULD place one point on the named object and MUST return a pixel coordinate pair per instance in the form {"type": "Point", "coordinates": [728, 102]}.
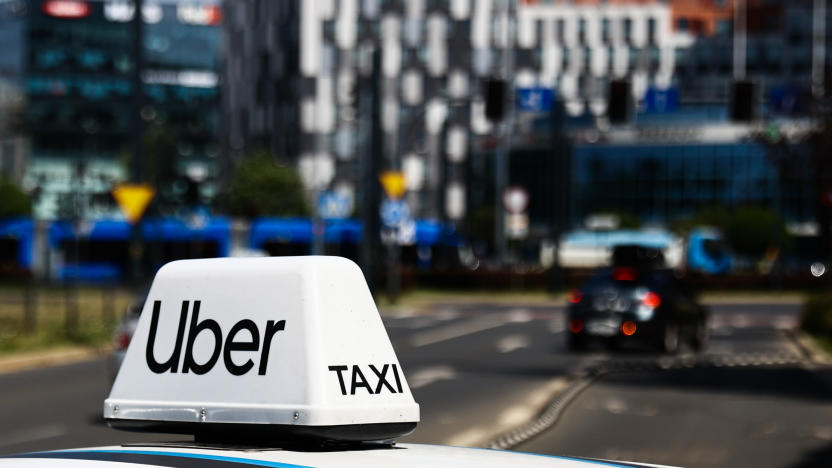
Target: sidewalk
{"type": "Point", "coordinates": [16, 362]}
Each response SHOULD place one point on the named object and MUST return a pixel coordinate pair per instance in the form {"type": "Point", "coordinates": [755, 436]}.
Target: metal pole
{"type": "Point", "coordinates": [137, 166]}
{"type": "Point", "coordinates": [137, 163]}
{"type": "Point", "coordinates": [740, 39]}
{"type": "Point", "coordinates": [371, 147]}
{"type": "Point", "coordinates": [818, 48]}
{"type": "Point", "coordinates": [501, 163]}
{"type": "Point", "coordinates": [30, 318]}
{"type": "Point", "coordinates": [393, 276]}
{"type": "Point", "coordinates": [321, 144]}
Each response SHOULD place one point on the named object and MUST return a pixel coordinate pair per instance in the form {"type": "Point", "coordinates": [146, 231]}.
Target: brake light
{"type": "Point", "coordinates": [628, 328]}
{"type": "Point", "coordinates": [576, 325]}
{"type": "Point", "coordinates": [122, 341]}
{"type": "Point", "coordinates": [624, 274]}
{"type": "Point", "coordinates": [652, 299]}
{"type": "Point", "coordinates": [575, 296]}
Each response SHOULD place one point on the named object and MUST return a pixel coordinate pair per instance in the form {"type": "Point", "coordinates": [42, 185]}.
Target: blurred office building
{"type": "Point", "coordinates": [78, 82]}
{"type": "Point", "coordinates": [681, 105]}
{"type": "Point", "coordinates": [300, 70]}
{"type": "Point", "coordinates": [13, 143]}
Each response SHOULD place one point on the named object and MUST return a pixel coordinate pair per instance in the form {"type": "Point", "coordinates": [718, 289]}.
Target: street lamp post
{"type": "Point", "coordinates": [501, 163]}
{"type": "Point", "coordinates": [137, 168]}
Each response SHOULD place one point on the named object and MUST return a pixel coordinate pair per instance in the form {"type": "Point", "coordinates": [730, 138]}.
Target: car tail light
{"type": "Point", "coordinates": [575, 296]}
{"type": "Point", "coordinates": [652, 299]}
{"type": "Point", "coordinates": [628, 328]}
{"type": "Point", "coordinates": [576, 325]}
{"type": "Point", "coordinates": [122, 341]}
{"type": "Point", "coordinates": [624, 274]}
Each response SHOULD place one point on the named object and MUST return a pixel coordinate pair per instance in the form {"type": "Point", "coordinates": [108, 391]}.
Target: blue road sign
{"type": "Point", "coordinates": [334, 205]}
{"type": "Point", "coordinates": [660, 101]}
{"type": "Point", "coordinates": [535, 99]}
{"type": "Point", "coordinates": [394, 213]}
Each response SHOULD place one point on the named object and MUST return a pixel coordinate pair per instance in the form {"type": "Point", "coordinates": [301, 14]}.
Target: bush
{"type": "Point", "coordinates": [13, 201]}
{"type": "Point", "coordinates": [752, 231]}
{"type": "Point", "coordinates": [817, 316]}
{"type": "Point", "coordinates": [261, 187]}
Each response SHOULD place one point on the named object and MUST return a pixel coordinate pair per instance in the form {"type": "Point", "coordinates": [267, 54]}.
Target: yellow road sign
{"type": "Point", "coordinates": [133, 199]}
{"type": "Point", "coordinates": [394, 184]}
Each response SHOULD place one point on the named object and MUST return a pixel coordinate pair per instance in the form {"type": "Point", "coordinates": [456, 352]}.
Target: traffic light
{"type": "Point", "coordinates": [619, 102]}
{"type": "Point", "coordinates": [495, 99]}
{"type": "Point", "coordinates": [742, 101]}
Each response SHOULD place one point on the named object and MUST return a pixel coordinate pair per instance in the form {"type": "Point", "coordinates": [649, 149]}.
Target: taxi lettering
{"type": "Point", "coordinates": [231, 344]}
{"type": "Point", "coordinates": [358, 380]}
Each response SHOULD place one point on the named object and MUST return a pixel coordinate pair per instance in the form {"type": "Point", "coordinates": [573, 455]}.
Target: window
{"type": "Point", "coordinates": [724, 26]}
{"type": "Point", "coordinates": [605, 30]}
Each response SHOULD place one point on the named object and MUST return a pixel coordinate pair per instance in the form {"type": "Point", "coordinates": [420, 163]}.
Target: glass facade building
{"type": "Point", "coordinates": [663, 182]}
{"type": "Point", "coordinates": [12, 98]}
{"type": "Point", "coordinates": [80, 82]}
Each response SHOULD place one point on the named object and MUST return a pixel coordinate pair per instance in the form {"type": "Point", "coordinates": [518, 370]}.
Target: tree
{"type": "Point", "coordinates": [820, 142]}
{"type": "Point", "coordinates": [260, 187]}
{"type": "Point", "coordinates": [13, 201]}
{"type": "Point", "coordinates": [714, 216]}
{"type": "Point", "coordinates": [159, 154]}
{"type": "Point", "coordinates": [753, 231]}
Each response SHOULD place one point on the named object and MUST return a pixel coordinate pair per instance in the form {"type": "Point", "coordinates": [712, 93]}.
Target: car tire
{"type": "Point", "coordinates": [670, 338]}
{"type": "Point", "coordinates": [575, 342]}
{"type": "Point", "coordinates": [700, 336]}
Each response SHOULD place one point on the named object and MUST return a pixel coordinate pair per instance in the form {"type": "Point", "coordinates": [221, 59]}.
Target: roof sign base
{"type": "Point", "coordinates": [259, 434]}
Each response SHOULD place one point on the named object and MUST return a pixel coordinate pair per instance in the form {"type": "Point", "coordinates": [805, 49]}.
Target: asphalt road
{"type": "Point", "coordinates": [479, 370]}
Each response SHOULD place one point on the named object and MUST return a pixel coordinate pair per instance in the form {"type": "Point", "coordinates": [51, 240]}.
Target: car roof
{"type": "Point", "coordinates": [380, 455]}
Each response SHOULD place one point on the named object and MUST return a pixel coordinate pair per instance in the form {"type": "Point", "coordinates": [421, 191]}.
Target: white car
{"type": "Point", "coordinates": [391, 455]}
{"type": "Point", "coordinates": [277, 362]}
{"type": "Point", "coordinates": [123, 335]}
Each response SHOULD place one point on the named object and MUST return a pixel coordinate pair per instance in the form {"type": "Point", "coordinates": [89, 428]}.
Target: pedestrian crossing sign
{"type": "Point", "coordinates": [133, 199]}
{"type": "Point", "coordinates": [394, 184]}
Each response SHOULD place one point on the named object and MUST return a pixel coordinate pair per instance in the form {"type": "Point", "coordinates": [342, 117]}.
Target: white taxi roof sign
{"type": "Point", "coordinates": [288, 345]}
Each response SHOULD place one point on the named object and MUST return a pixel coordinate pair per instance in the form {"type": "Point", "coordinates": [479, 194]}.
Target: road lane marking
{"type": "Point", "coordinates": [785, 322]}
{"type": "Point", "coordinates": [404, 312]}
{"type": "Point", "coordinates": [520, 315]}
{"type": "Point", "coordinates": [447, 314]}
{"type": "Point", "coordinates": [428, 375]}
{"type": "Point", "coordinates": [822, 433]}
{"type": "Point", "coordinates": [510, 418]}
{"type": "Point", "coordinates": [421, 322]}
{"type": "Point", "coordinates": [557, 326]}
{"type": "Point", "coordinates": [454, 331]}
{"type": "Point", "coordinates": [33, 434]}
{"type": "Point", "coordinates": [741, 321]}
{"type": "Point", "coordinates": [512, 343]}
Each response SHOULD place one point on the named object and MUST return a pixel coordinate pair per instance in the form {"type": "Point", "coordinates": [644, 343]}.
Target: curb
{"type": "Point", "coordinates": [720, 299]}
{"type": "Point", "coordinates": [809, 348]}
{"type": "Point", "coordinates": [547, 418]}
{"type": "Point", "coordinates": [55, 357]}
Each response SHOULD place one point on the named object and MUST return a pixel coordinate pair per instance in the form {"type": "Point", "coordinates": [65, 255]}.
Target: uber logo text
{"type": "Point", "coordinates": [196, 327]}
{"type": "Point", "coordinates": [357, 379]}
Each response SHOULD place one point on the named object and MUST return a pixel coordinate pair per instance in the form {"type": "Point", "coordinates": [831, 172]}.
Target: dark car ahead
{"type": "Point", "coordinates": [636, 301]}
